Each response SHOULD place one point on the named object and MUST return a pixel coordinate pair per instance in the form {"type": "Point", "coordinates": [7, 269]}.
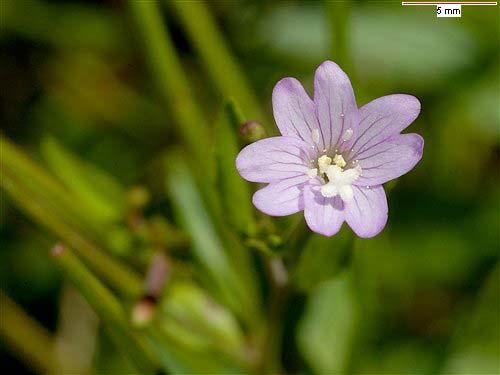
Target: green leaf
{"type": "Point", "coordinates": [326, 332]}
{"type": "Point", "coordinates": [96, 190]}
{"type": "Point", "coordinates": [109, 309]}
{"type": "Point", "coordinates": [226, 283]}
{"type": "Point", "coordinates": [233, 189]}
{"type": "Point", "coordinates": [187, 303]}
{"type": "Point", "coordinates": [475, 346]}
{"type": "Point", "coordinates": [26, 337]}
{"type": "Point", "coordinates": [181, 358]}
{"type": "Point", "coordinates": [171, 80]}
{"type": "Point", "coordinates": [205, 329]}
{"type": "Point", "coordinates": [203, 32]}
{"type": "Point", "coordinates": [43, 199]}
{"type": "Point", "coordinates": [322, 258]}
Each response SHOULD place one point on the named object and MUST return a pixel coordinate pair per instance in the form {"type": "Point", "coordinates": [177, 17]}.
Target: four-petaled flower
{"type": "Point", "coordinates": [332, 157]}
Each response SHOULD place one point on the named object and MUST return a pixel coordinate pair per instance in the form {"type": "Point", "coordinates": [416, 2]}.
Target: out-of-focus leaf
{"type": "Point", "coordinates": [400, 358]}
{"type": "Point", "coordinates": [207, 246]}
{"type": "Point", "coordinates": [193, 320]}
{"type": "Point", "coordinates": [202, 29]}
{"type": "Point", "coordinates": [108, 308]}
{"type": "Point", "coordinates": [63, 25]}
{"type": "Point", "coordinates": [87, 88]}
{"type": "Point", "coordinates": [180, 358]}
{"type": "Point", "coordinates": [423, 52]}
{"type": "Point", "coordinates": [170, 78]}
{"type": "Point", "coordinates": [95, 189]}
{"type": "Point", "coordinates": [45, 200]}
{"type": "Point", "coordinates": [327, 330]}
{"type": "Point", "coordinates": [189, 305]}
{"type": "Point", "coordinates": [475, 346]}
{"type": "Point", "coordinates": [77, 331]}
{"type": "Point", "coordinates": [28, 338]}
{"type": "Point", "coordinates": [234, 191]}
{"type": "Point", "coordinates": [18, 166]}
{"type": "Point", "coordinates": [322, 258]}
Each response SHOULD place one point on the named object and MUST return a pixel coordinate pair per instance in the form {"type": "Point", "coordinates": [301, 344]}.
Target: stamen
{"type": "Point", "coordinates": [339, 160]}
{"type": "Point", "coordinates": [323, 163]}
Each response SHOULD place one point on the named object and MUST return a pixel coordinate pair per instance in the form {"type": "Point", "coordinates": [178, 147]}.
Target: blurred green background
{"type": "Point", "coordinates": [118, 140]}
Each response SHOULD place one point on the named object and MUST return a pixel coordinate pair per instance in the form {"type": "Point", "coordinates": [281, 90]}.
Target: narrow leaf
{"type": "Point", "coordinates": [234, 191]}
{"type": "Point", "coordinates": [207, 246]}
{"type": "Point", "coordinates": [28, 339]}
{"type": "Point", "coordinates": [95, 189]}
{"type": "Point", "coordinates": [204, 34]}
{"type": "Point", "coordinates": [326, 333]}
{"type": "Point", "coordinates": [108, 308]}
{"type": "Point", "coordinates": [42, 198]}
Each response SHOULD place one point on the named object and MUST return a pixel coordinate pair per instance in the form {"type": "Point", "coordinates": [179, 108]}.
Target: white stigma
{"type": "Point", "coordinates": [315, 135]}
{"type": "Point", "coordinates": [338, 180]}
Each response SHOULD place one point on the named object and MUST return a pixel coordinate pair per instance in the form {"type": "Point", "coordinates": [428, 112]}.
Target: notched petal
{"type": "Point", "coordinates": [323, 215]}
{"type": "Point", "coordinates": [367, 212]}
{"type": "Point", "coordinates": [294, 111]}
{"type": "Point", "coordinates": [390, 159]}
{"type": "Point", "coordinates": [336, 107]}
{"type": "Point", "coordinates": [382, 118]}
{"type": "Point", "coordinates": [281, 198]}
{"type": "Point", "coordinates": [273, 159]}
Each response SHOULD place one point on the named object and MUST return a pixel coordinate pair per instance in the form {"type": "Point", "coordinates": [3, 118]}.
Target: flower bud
{"type": "Point", "coordinates": [144, 311]}
{"type": "Point", "coordinates": [251, 131]}
{"type": "Point", "coordinates": [138, 197]}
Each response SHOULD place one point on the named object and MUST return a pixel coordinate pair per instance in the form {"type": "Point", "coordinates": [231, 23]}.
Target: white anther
{"type": "Point", "coordinates": [339, 160]}
{"type": "Point", "coordinates": [323, 163]}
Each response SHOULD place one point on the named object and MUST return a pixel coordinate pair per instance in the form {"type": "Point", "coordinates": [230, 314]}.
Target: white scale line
{"type": "Point", "coordinates": [449, 3]}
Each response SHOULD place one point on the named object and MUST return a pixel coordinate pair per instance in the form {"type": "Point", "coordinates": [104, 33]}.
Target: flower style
{"type": "Point", "coordinates": [332, 157]}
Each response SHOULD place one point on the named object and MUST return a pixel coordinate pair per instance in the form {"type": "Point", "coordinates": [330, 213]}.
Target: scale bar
{"type": "Point", "coordinates": [450, 3]}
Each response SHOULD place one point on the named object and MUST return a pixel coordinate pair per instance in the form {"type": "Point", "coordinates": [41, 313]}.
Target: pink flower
{"type": "Point", "coordinates": [332, 157]}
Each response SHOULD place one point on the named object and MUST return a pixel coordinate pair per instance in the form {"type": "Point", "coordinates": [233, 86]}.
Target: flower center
{"type": "Point", "coordinates": [337, 179]}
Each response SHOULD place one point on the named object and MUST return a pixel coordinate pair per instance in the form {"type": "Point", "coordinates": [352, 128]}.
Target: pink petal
{"type": "Point", "coordinates": [383, 118]}
{"type": "Point", "coordinates": [273, 159]}
{"type": "Point", "coordinates": [294, 110]}
{"type": "Point", "coordinates": [366, 214]}
{"type": "Point", "coordinates": [281, 198]}
{"type": "Point", "coordinates": [323, 215]}
{"type": "Point", "coordinates": [389, 159]}
{"type": "Point", "coordinates": [336, 107]}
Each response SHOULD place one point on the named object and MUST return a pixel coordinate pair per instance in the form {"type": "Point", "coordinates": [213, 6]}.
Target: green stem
{"type": "Point", "coordinates": [41, 197]}
{"type": "Point", "coordinates": [108, 308]}
{"type": "Point", "coordinates": [118, 275]}
{"type": "Point", "coordinates": [297, 237]}
{"type": "Point", "coordinates": [170, 78]}
{"type": "Point", "coordinates": [28, 339]}
{"type": "Point", "coordinates": [339, 13]}
{"type": "Point", "coordinates": [205, 35]}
